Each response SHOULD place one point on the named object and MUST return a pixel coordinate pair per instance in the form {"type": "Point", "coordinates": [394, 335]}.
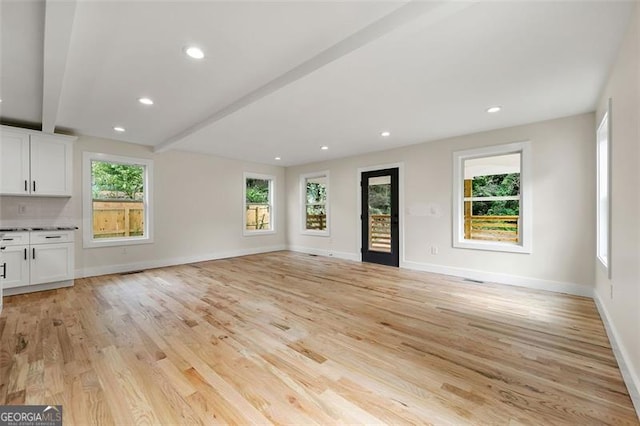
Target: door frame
{"type": "Point", "coordinates": [401, 215]}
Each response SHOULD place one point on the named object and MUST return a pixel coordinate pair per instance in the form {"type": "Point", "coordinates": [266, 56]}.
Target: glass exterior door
{"type": "Point", "coordinates": [380, 217]}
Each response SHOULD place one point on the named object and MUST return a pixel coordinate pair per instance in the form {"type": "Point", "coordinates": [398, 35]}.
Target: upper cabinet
{"type": "Point", "coordinates": [14, 163]}
{"type": "Point", "coordinates": [34, 163]}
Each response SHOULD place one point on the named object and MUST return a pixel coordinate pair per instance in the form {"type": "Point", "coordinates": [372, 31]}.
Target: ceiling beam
{"type": "Point", "coordinates": [430, 12]}
{"type": "Point", "coordinates": [58, 25]}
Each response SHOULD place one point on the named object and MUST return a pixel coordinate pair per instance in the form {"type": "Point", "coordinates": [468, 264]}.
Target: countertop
{"type": "Point", "coordinates": [37, 228]}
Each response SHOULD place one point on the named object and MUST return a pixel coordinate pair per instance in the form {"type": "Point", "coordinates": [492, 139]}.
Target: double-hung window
{"type": "Point", "coordinates": [492, 198]}
{"type": "Point", "coordinates": [314, 199]}
{"type": "Point", "coordinates": [117, 195]}
{"type": "Point", "coordinates": [603, 136]}
{"type": "Point", "coordinates": [258, 196]}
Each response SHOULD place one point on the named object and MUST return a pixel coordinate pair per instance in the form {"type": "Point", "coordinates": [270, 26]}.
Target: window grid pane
{"type": "Point", "coordinates": [118, 194]}
{"type": "Point", "coordinates": [315, 203]}
{"type": "Point", "coordinates": [603, 191]}
{"type": "Point", "coordinates": [258, 204]}
{"type": "Point", "coordinates": [491, 198]}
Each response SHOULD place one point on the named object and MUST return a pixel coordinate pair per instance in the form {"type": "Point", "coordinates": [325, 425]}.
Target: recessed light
{"type": "Point", "coordinates": [493, 109]}
{"type": "Point", "coordinates": [194, 52]}
{"type": "Point", "coordinates": [277, 158]}
{"type": "Point", "coordinates": [385, 134]}
{"type": "Point", "coordinates": [118, 129]}
{"type": "Point", "coordinates": [145, 101]}
{"type": "Point", "coordinates": [324, 147]}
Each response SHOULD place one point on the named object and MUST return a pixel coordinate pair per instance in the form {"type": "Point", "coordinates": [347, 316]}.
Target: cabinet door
{"type": "Point", "coordinates": [51, 166]}
{"type": "Point", "coordinates": [14, 163]}
{"type": "Point", "coordinates": [51, 263]}
{"type": "Point", "coordinates": [17, 259]}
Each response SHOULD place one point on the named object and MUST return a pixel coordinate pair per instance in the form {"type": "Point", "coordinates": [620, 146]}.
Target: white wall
{"type": "Point", "coordinates": [563, 214]}
{"type": "Point", "coordinates": [197, 210]}
{"type": "Point", "coordinates": [623, 309]}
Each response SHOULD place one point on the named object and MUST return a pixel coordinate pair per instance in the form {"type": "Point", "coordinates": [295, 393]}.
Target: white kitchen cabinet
{"type": "Point", "coordinates": [17, 266]}
{"type": "Point", "coordinates": [37, 260]}
{"type": "Point", "coordinates": [51, 166]}
{"type": "Point", "coordinates": [3, 275]}
{"type": "Point", "coordinates": [34, 163]}
{"type": "Point", "coordinates": [51, 263]}
{"type": "Point", "coordinates": [16, 257]}
{"type": "Point", "coordinates": [14, 163]}
{"type": "Point", "coordinates": [15, 239]}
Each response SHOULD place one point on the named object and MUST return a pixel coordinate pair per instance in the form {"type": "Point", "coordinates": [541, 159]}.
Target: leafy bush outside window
{"type": "Point", "coordinates": [118, 194]}
{"type": "Point", "coordinates": [314, 199]}
{"type": "Point", "coordinates": [258, 203]}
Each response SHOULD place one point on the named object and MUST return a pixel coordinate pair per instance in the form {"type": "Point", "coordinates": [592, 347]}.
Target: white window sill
{"type": "Point", "coordinates": [115, 242]}
{"type": "Point", "coordinates": [315, 233]}
{"type": "Point", "coordinates": [258, 233]}
{"type": "Point", "coordinates": [492, 246]}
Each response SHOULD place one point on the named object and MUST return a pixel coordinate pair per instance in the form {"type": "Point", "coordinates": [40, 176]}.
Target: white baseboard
{"type": "Point", "coordinates": [37, 287]}
{"type": "Point", "coordinates": [520, 281]}
{"type": "Point", "coordinates": [327, 253]}
{"type": "Point", "coordinates": [137, 266]}
{"type": "Point", "coordinates": [631, 378]}
{"type": "Point", "coordinates": [494, 277]}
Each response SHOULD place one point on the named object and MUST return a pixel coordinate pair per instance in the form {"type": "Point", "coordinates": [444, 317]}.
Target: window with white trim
{"type": "Point", "coordinates": [314, 199]}
{"type": "Point", "coordinates": [603, 191]}
{"type": "Point", "coordinates": [492, 198]}
{"type": "Point", "coordinates": [117, 194]}
{"type": "Point", "coordinates": [258, 196]}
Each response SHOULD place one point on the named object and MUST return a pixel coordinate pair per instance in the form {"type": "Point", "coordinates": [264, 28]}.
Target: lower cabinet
{"type": "Point", "coordinates": [51, 263]}
{"type": "Point", "coordinates": [17, 269]}
{"type": "Point", "coordinates": [49, 260]}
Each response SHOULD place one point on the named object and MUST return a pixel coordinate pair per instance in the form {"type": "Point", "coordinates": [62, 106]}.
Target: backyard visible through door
{"type": "Point", "coordinates": [380, 217]}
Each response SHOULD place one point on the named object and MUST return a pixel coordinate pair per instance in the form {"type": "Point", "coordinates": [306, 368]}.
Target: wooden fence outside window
{"type": "Point", "coordinates": [258, 217]}
{"type": "Point", "coordinates": [316, 222]}
{"type": "Point", "coordinates": [118, 218]}
{"type": "Point", "coordinates": [491, 228]}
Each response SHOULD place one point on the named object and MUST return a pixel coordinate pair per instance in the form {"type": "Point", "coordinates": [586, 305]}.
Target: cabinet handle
{"type": "Point", "coordinates": [34, 252]}
{"type": "Point", "coordinates": [7, 239]}
{"type": "Point", "coordinates": [25, 254]}
{"type": "Point", "coordinates": [4, 270]}
{"type": "Point", "coordinates": [55, 236]}
{"type": "Point", "coordinates": [34, 186]}
{"type": "Point", "coordinates": [26, 185]}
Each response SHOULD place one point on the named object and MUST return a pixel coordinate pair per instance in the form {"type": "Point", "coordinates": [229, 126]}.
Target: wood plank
{"type": "Point", "coordinates": [290, 338]}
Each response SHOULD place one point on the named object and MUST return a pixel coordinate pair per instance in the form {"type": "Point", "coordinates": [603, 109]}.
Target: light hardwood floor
{"type": "Point", "coordinates": [289, 338]}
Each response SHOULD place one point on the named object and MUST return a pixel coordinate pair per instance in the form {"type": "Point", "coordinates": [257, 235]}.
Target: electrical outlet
{"type": "Point", "coordinates": [22, 208]}
{"type": "Point", "coordinates": [434, 249]}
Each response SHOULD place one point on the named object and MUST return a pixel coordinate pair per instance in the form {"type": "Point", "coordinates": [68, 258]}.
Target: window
{"type": "Point", "coordinates": [492, 198]}
{"type": "Point", "coordinates": [314, 199]}
{"type": "Point", "coordinates": [603, 137]}
{"type": "Point", "coordinates": [117, 200]}
{"type": "Point", "coordinates": [259, 215]}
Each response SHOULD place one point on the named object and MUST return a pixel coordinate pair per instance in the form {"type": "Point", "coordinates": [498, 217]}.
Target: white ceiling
{"type": "Point", "coordinates": [283, 78]}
